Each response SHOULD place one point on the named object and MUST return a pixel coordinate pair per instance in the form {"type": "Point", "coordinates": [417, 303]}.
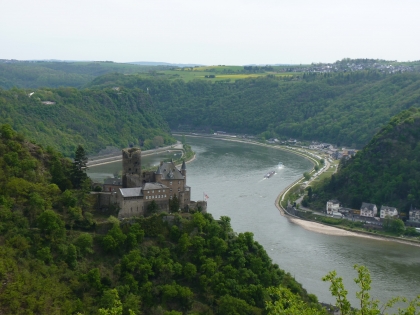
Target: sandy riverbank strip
{"type": "Point", "coordinates": [334, 231]}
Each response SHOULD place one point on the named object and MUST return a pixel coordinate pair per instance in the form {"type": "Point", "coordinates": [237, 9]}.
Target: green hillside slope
{"type": "Point", "coordinates": [58, 256]}
{"type": "Point", "coordinates": [94, 119]}
{"type": "Point", "coordinates": [344, 108]}
{"type": "Point", "coordinates": [385, 172]}
{"type": "Point", "coordinates": [35, 74]}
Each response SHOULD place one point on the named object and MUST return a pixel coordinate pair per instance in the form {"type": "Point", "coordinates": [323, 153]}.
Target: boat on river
{"type": "Point", "coordinates": [269, 174]}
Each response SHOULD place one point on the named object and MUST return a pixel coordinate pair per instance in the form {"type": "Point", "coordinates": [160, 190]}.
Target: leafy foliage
{"type": "Point", "coordinates": [92, 119]}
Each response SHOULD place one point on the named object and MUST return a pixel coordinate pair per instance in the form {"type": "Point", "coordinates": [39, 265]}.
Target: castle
{"type": "Point", "coordinates": [133, 194]}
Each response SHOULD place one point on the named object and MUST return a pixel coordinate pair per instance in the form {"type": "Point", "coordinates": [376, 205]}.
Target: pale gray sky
{"type": "Point", "coordinates": [229, 32]}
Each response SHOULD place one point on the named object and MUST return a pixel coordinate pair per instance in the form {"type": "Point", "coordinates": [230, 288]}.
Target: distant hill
{"type": "Point", "coordinates": [66, 117]}
{"type": "Point", "coordinates": [385, 172]}
{"type": "Point", "coordinates": [50, 73]}
{"type": "Point", "coordinates": [344, 108]}
{"type": "Point", "coordinates": [157, 63]}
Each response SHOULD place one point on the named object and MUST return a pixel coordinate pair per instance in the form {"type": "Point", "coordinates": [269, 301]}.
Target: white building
{"type": "Point", "coordinates": [388, 211]}
{"type": "Point", "coordinates": [414, 215]}
{"type": "Point", "coordinates": [368, 210]}
{"type": "Point", "coordinates": [332, 206]}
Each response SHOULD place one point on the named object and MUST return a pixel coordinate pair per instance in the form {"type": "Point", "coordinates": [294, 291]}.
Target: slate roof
{"type": "Point", "coordinates": [183, 167]}
{"type": "Point", "coordinates": [113, 181]}
{"type": "Point", "coordinates": [369, 206]}
{"type": "Point", "coordinates": [168, 170]}
{"type": "Point", "coordinates": [334, 201]}
{"type": "Point", "coordinates": [388, 208]}
{"type": "Point", "coordinates": [131, 192]}
{"type": "Point", "coordinates": [148, 186]}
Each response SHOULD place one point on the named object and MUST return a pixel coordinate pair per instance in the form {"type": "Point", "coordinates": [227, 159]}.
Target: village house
{"type": "Point", "coordinates": [368, 210]}
{"type": "Point", "coordinates": [414, 215]}
{"type": "Point", "coordinates": [332, 206]}
{"type": "Point", "coordinates": [388, 212]}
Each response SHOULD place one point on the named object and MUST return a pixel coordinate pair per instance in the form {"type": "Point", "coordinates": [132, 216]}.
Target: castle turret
{"type": "Point", "coordinates": [158, 174]}
{"type": "Point", "coordinates": [184, 171]}
{"type": "Point", "coordinates": [131, 167]}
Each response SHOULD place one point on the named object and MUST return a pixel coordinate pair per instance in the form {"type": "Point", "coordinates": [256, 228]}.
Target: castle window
{"type": "Point", "coordinates": [170, 183]}
{"type": "Point", "coordinates": [165, 196]}
{"type": "Point", "coordinates": [179, 182]}
{"type": "Point", "coordinates": [164, 190]}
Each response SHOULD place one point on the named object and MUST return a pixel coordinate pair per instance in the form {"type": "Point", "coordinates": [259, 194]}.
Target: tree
{"type": "Point", "coordinates": [51, 225]}
{"type": "Point", "coordinates": [393, 225]}
{"type": "Point", "coordinates": [190, 270]}
{"type": "Point", "coordinates": [7, 131]}
{"type": "Point", "coordinates": [307, 175]}
{"type": "Point", "coordinates": [234, 306]}
{"type": "Point", "coordinates": [152, 207]}
{"type": "Point", "coordinates": [174, 204]}
{"type": "Point", "coordinates": [78, 174]}
{"type": "Point", "coordinates": [283, 301]}
{"type": "Point", "coordinates": [84, 243]}
{"type": "Point", "coordinates": [158, 141]}
{"type": "Point", "coordinates": [309, 189]}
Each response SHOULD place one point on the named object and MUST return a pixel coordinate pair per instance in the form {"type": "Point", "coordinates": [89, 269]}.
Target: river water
{"type": "Point", "coordinates": [232, 175]}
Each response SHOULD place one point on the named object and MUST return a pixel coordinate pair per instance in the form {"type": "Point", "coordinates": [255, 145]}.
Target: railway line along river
{"type": "Point", "coordinates": [232, 175]}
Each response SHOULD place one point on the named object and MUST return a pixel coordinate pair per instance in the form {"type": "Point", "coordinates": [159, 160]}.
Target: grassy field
{"type": "Point", "coordinates": [221, 73]}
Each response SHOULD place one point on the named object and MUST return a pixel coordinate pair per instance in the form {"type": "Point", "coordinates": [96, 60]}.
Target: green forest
{"type": "Point", "coordinates": [59, 256]}
{"type": "Point", "coordinates": [64, 118]}
{"type": "Point", "coordinates": [385, 172]}
{"type": "Point", "coordinates": [342, 109]}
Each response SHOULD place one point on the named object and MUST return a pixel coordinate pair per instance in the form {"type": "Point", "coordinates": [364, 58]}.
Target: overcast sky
{"type": "Point", "coordinates": [228, 32]}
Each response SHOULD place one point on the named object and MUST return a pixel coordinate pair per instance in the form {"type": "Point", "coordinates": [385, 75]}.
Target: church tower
{"type": "Point", "coordinates": [131, 174]}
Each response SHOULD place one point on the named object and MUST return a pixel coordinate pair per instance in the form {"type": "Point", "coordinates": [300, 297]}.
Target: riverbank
{"type": "Point", "coordinates": [332, 230]}
{"type": "Point", "coordinates": [115, 158]}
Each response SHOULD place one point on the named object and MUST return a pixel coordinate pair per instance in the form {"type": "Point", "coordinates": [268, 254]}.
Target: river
{"type": "Point", "coordinates": [231, 174]}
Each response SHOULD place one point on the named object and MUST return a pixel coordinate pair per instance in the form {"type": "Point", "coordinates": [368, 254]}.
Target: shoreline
{"type": "Point", "coordinates": [331, 230]}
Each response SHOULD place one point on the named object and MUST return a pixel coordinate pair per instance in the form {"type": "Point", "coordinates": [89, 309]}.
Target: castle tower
{"type": "Point", "coordinates": [131, 167]}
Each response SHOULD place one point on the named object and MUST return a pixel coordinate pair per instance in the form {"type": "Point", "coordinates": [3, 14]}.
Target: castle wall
{"type": "Point", "coordinates": [131, 207]}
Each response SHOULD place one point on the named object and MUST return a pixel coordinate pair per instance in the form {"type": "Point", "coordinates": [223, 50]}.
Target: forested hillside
{"type": "Point", "coordinates": [344, 108]}
{"type": "Point", "coordinates": [58, 256]}
{"type": "Point", "coordinates": [385, 172]}
{"type": "Point", "coordinates": [66, 117]}
{"type": "Point", "coordinates": [35, 74]}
